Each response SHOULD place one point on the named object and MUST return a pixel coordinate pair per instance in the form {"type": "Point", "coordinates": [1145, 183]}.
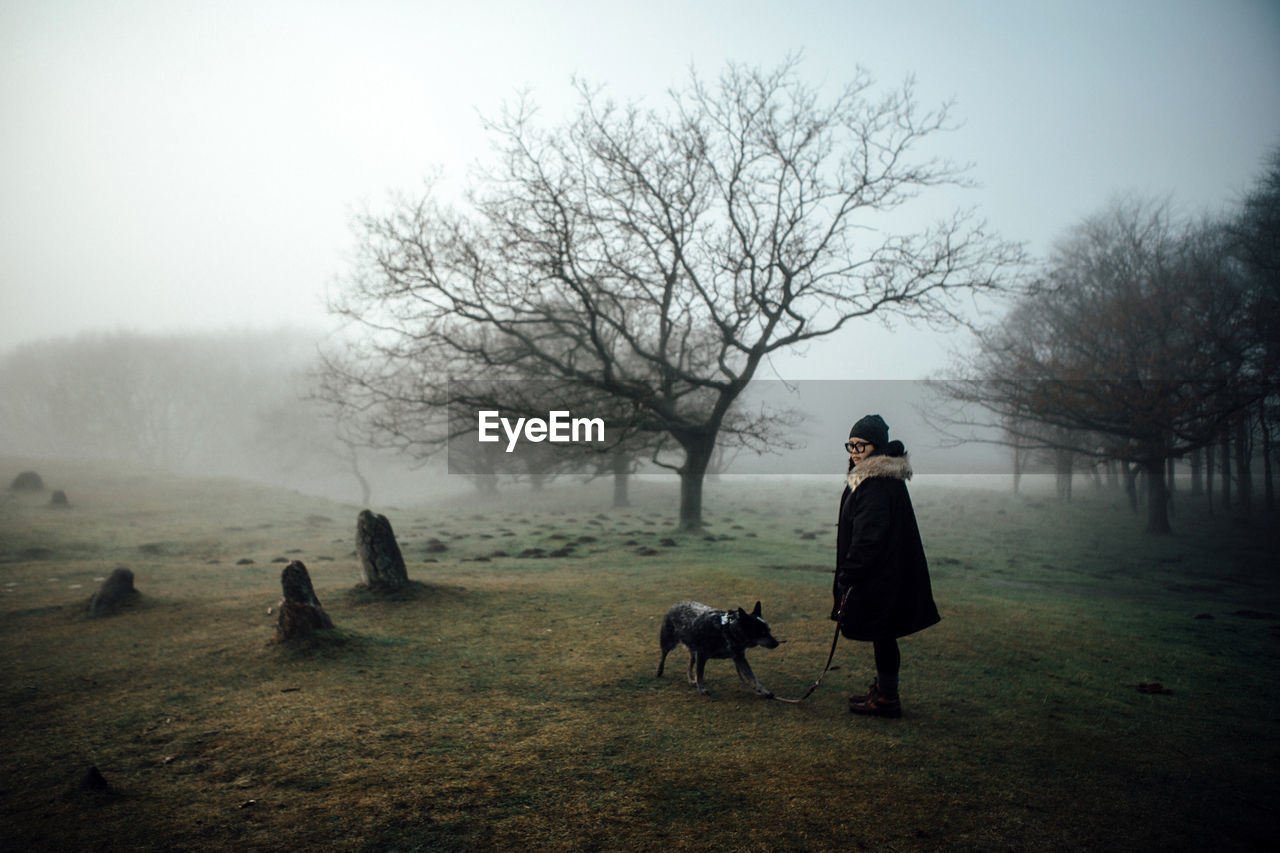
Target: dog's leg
{"type": "Point", "coordinates": [702, 664]}
{"type": "Point", "coordinates": [693, 660]}
{"type": "Point", "coordinates": [666, 642]}
{"type": "Point", "coordinates": [749, 678]}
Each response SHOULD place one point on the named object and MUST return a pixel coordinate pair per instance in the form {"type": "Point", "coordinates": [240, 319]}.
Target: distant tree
{"type": "Point", "coordinates": [1132, 347]}
{"type": "Point", "coordinates": [303, 434]}
{"type": "Point", "coordinates": [658, 258]}
{"type": "Point", "coordinates": [1255, 234]}
{"type": "Point", "coordinates": [120, 396]}
{"type": "Point", "coordinates": [181, 402]}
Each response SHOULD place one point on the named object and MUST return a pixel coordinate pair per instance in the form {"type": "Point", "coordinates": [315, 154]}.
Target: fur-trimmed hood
{"type": "Point", "coordinates": [895, 467]}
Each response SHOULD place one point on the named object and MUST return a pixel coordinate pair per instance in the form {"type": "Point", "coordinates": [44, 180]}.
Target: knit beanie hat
{"type": "Point", "coordinates": [871, 428]}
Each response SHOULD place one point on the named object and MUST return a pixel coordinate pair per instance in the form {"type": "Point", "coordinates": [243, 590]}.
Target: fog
{"type": "Point", "coordinates": [167, 168]}
{"type": "Point", "coordinates": [242, 405]}
{"type": "Point", "coordinates": [169, 173]}
{"type": "Point", "coordinates": [207, 404]}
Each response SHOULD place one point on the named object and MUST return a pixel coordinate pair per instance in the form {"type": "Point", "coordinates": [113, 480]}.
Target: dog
{"type": "Point", "coordinates": [710, 633]}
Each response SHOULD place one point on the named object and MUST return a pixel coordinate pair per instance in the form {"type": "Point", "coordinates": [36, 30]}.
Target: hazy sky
{"type": "Point", "coordinates": [180, 165]}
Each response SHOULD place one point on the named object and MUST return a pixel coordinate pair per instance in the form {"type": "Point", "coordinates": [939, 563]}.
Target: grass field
{"type": "Point", "coordinates": [509, 702]}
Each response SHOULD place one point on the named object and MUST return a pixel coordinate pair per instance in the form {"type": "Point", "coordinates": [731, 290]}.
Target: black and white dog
{"type": "Point", "coordinates": [709, 633]}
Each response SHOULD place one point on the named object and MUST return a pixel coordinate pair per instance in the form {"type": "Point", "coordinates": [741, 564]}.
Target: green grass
{"type": "Point", "coordinates": [510, 702]}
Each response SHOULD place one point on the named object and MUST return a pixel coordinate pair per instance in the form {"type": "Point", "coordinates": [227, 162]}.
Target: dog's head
{"type": "Point", "coordinates": [755, 628]}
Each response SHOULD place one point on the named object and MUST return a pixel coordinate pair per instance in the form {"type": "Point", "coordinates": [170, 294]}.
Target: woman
{"type": "Point", "coordinates": [882, 578]}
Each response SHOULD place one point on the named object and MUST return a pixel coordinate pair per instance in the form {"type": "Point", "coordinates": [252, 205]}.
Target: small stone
{"type": "Point", "coordinates": [116, 590]}
{"type": "Point", "coordinates": [27, 481]}
{"type": "Point", "coordinates": [93, 781]}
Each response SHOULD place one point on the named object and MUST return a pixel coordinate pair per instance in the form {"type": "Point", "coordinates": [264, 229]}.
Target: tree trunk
{"type": "Point", "coordinates": [1063, 464]}
{"type": "Point", "coordinates": [1017, 469]}
{"type": "Point", "coordinates": [1131, 484]}
{"type": "Point", "coordinates": [1208, 478]}
{"type": "Point", "coordinates": [1157, 497]}
{"type": "Point", "coordinates": [1197, 476]}
{"type": "Point", "coordinates": [366, 491]}
{"type": "Point", "coordinates": [353, 460]}
{"type": "Point", "coordinates": [692, 474]}
{"type": "Point", "coordinates": [1268, 483]}
{"type": "Point", "coordinates": [1171, 486]}
{"type": "Point", "coordinates": [1244, 453]}
{"type": "Point", "coordinates": [1226, 469]}
{"type": "Point", "coordinates": [621, 465]}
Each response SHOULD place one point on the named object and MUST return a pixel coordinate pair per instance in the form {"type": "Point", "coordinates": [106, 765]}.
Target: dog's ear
{"type": "Point", "coordinates": [742, 614]}
{"type": "Point", "coordinates": [756, 612]}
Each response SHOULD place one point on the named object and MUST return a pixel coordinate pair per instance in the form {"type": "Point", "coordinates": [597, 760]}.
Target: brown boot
{"type": "Point", "coordinates": [873, 690]}
{"type": "Point", "coordinates": [876, 705]}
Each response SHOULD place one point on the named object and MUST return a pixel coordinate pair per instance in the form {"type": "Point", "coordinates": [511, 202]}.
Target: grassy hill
{"type": "Point", "coordinates": [510, 701]}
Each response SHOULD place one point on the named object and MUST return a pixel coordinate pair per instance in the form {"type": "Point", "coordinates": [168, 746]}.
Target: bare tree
{"type": "Point", "coordinates": [659, 257]}
{"type": "Point", "coordinates": [302, 434]}
{"type": "Point", "coordinates": [1255, 233]}
{"type": "Point", "coordinates": [198, 403]}
{"type": "Point", "coordinates": [1132, 348]}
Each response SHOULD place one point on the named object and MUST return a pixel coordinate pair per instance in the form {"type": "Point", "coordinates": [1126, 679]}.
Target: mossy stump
{"type": "Point", "coordinates": [382, 566]}
{"type": "Point", "coordinates": [27, 481]}
{"type": "Point", "coordinates": [116, 591]}
{"type": "Point", "coordinates": [300, 612]}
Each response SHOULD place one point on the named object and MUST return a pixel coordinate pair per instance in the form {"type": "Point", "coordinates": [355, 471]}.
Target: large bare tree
{"type": "Point", "coordinates": [659, 256]}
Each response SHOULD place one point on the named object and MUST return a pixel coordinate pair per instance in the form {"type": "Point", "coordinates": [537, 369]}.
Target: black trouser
{"type": "Point", "coordinates": [888, 658]}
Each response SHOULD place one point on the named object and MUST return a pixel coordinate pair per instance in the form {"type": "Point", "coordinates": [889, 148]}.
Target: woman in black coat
{"type": "Point", "coordinates": [882, 577]}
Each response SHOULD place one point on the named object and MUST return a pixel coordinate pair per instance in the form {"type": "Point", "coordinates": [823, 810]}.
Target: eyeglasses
{"type": "Point", "coordinates": [857, 446]}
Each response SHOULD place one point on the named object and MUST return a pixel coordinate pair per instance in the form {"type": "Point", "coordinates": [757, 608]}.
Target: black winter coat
{"type": "Point", "coordinates": [879, 555]}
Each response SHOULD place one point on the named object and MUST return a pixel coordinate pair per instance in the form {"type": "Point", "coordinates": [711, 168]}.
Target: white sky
{"type": "Point", "coordinates": [169, 166]}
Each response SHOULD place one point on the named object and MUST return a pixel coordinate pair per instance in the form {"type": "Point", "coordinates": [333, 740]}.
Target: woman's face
{"type": "Point", "coordinates": [859, 449]}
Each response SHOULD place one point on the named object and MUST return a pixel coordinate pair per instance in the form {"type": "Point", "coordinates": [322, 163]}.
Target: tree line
{"type": "Point", "coordinates": [1145, 337]}
{"type": "Point", "coordinates": [227, 404]}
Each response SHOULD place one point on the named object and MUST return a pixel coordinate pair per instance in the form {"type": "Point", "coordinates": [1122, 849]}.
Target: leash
{"type": "Point", "coordinates": [830, 655]}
